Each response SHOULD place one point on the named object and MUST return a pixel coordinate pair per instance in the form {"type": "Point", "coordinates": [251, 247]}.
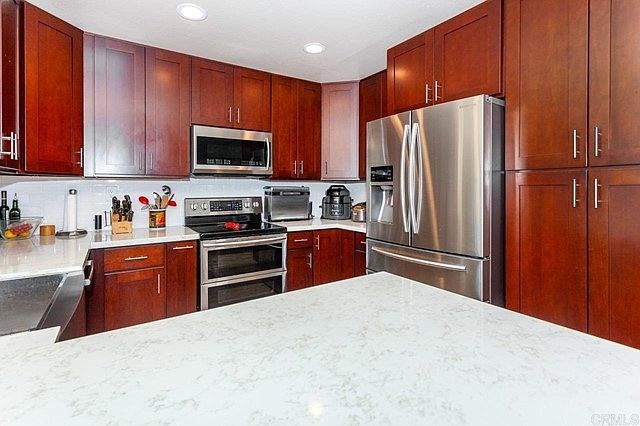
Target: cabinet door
{"type": "Point", "coordinates": [182, 277]}
{"type": "Point", "coordinates": [410, 73]}
{"type": "Point", "coordinates": [371, 107]}
{"type": "Point", "coordinates": [284, 126]}
{"type": "Point", "coordinates": [299, 269]}
{"type": "Point", "coordinates": [546, 253]}
{"type": "Point", "coordinates": [167, 136]}
{"type": "Point", "coordinates": [546, 83]}
{"type": "Point", "coordinates": [119, 108]}
{"type": "Point", "coordinates": [326, 256]}
{"type": "Point", "coordinates": [468, 53]}
{"type": "Point", "coordinates": [360, 259]}
{"type": "Point", "coordinates": [347, 253]}
{"type": "Point", "coordinates": [134, 297]}
{"type": "Point", "coordinates": [252, 97]}
{"type": "Point", "coordinates": [614, 65]}
{"type": "Point", "coordinates": [10, 154]}
{"type": "Point", "coordinates": [53, 117]}
{"type": "Point", "coordinates": [211, 93]}
{"type": "Point", "coordinates": [614, 244]}
{"type": "Point", "coordinates": [309, 129]}
{"type": "Point", "coordinates": [340, 131]}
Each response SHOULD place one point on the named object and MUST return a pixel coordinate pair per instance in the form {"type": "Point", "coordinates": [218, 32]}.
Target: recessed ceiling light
{"type": "Point", "coordinates": [314, 48]}
{"type": "Point", "coordinates": [191, 11]}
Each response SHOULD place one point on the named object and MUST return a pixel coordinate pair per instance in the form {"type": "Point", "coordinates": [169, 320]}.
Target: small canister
{"type": "Point", "coordinates": [157, 218]}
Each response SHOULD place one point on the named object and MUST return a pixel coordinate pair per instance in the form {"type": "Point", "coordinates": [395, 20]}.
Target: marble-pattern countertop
{"type": "Point", "coordinates": [318, 223]}
{"type": "Point", "coordinates": [51, 255]}
{"type": "Point", "coordinates": [378, 349]}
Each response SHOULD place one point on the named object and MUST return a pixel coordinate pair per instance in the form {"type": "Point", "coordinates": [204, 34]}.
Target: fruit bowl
{"type": "Point", "coordinates": [20, 229]}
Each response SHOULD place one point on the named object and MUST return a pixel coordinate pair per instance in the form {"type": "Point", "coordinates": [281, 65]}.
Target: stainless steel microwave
{"type": "Point", "coordinates": [216, 150]}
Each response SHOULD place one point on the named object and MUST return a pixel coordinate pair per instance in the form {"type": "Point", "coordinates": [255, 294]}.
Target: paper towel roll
{"type": "Point", "coordinates": [71, 212]}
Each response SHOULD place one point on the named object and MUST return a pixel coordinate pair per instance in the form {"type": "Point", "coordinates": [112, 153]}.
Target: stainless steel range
{"type": "Point", "coordinates": [241, 257]}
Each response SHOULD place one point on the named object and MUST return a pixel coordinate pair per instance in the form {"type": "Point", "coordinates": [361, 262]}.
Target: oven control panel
{"type": "Point", "coordinates": [222, 206]}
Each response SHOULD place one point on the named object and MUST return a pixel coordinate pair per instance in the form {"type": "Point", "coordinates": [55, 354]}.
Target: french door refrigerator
{"type": "Point", "coordinates": [435, 189]}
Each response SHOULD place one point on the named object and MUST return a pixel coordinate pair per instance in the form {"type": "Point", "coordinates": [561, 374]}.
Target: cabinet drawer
{"type": "Point", "coordinates": [360, 241]}
{"type": "Point", "coordinates": [297, 240]}
{"type": "Point", "coordinates": [136, 257]}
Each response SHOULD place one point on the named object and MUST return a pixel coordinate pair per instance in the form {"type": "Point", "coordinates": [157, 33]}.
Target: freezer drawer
{"type": "Point", "coordinates": [463, 275]}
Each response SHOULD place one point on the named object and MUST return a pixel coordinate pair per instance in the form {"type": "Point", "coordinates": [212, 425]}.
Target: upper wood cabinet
{"type": "Point", "coordinates": [340, 131]}
{"type": "Point", "coordinates": [10, 152]}
{"type": "Point", "coordinates": [410, 73]}
{"type": "Point", "coordinates": [614, 244]}
{"type": "Point", "coordinates": [372, 105]}
{"type": "Point", "coordinates": [229, 96]}
{"type": "Point", "coordinates": [614, 66]}
{"type": "Point", "coordinates": [295, 123]}
{"type": "Point", "coordinates": [546, 246]}
{"type": "Point", "coordinates": [460, 57]}
{"type": "Point", "coordinates": [167, 112]}
{"type": "Point", "coordinates": [211, 93]}
{"type": "Point", "coordinates": [468, 53]}
{"type": "Point", "coordinates": [53, 113]}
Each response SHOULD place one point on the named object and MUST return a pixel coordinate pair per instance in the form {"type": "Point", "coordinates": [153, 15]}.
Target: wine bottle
{"type": "Point", "coordinates": [4, 208]}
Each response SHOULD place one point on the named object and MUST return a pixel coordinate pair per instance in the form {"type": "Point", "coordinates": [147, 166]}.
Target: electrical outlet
{"type": "Point", "coordinates": [112, 190]}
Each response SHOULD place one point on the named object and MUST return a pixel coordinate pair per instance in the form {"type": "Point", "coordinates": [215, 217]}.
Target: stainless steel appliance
{"type": "Point", "coordinates": [435, 196]}
{"type": "Point", "coordinates": [286, 202]}
{"type": "Point", "coordinates": [359, 212]}
{"type": "Point", "coordinates": [230, 151]}
{"type": "Point", "coordinates": [336, 204]}
{"type": "Point", "coordinates": [241, 257]}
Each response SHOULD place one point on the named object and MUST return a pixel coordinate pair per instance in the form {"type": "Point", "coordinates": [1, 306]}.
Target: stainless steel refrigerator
{"type": "Point", "coordinates": [435, 188]}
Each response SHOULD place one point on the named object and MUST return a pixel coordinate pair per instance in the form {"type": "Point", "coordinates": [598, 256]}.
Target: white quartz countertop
{"type": "Point", "coordinates": [51, 255]}
{"type": "Point", "coordinates": [378, 349]}
{"type": "Point", "coordinates": [318, 223]}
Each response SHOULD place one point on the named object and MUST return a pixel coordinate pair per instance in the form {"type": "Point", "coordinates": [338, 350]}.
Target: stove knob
{"type": "Point", "coordinates": [256, 204]}
{"type": "Point", "coordinates": [194, 206]}
{"type": "Point", "coordinates": [204, 206]}
{"type": "Point", "coordinates": [246, 205]}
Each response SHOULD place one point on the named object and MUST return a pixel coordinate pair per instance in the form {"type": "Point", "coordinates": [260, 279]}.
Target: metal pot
{"type": "Point", "coordinates": [359, 212]}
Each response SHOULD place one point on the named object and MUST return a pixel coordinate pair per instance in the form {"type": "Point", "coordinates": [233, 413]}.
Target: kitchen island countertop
{"type": "Point", "coordinates": [369, 350]}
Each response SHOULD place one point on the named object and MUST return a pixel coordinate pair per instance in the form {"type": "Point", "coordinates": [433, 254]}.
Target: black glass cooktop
{"type": "Point", "coordinates": [247, 229]}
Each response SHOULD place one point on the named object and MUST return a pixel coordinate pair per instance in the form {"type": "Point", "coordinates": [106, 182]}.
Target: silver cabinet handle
{"type": "Point", "coordinates": [15, 143]}
{"type": "Point", "coordinates": [238, 115]}
{"type": "Point", "coordinates": [302, 167]}
{"type": "Point", "coordinates": [575, 143]}
{"type": "Point", "coordinates": [426, 94]}
{"type": "Point", "coordinates": [596, 141]}
{"type": "Point", "coordinates": [437, 86]}
{"type": "Point", "coordinates": [151, 160]}
{"type": "Point", "coordinates": [318, 242]}
{"type": "Point", "coordinates": [81, 153]}
{"type": "Point", "coordinates": [295, 167]}
{"type": "Point", "coordinates": [459, 268]}
{"type": "Point", "coordinates": [158, 283]}
{"type": "Point", "coordinates": [87, 281]}
{"type": "Point", "coordinates": [129, 259]}
{"type": "Point", "coordinates": [301, 240]}
{"type": "Point", "coordinates": [575, 193]}
{"type": "Point", "coordinates": [139, 160]}
{"type": "Point", "coordinates": [326, 168]}
{"type": "Point", "coordinates": [364, 243]}
{"type": "Point", "coordinates": [403, 173]}
{"type": "Point", "coordinates": [230, 115]}
{"type": "Point", "coordinates": [183, 248]}
{"type": "Point", "coordinates": [310, 262]}
{"type": "Point", "coordinates": [596, 187]}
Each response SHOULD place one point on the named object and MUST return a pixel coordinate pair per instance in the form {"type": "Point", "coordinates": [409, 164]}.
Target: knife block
{"type": "Point", "coordinates": [120, 227]}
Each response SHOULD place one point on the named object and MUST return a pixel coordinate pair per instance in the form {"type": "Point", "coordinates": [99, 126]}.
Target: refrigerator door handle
{"type": "Point", "coordinates": [403, 190]}
{"type": "Point", "coordinates": [417, 156]}
{"type": "Point", "coordinates": [424, 262]}
{"type": "Point", "coordinates": [412, 178]}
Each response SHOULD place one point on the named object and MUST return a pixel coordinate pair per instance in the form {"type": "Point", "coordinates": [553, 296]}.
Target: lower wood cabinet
{"type": "Point", "coordinates": [320, 257]}
{"type": "Point", "coordinates": [138, 284]}
{"type": "Point", "coordinates": [360, 254]}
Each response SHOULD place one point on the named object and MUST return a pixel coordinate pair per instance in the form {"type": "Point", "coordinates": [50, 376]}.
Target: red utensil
{"type": "Point", "coordinates": [144, 200]}
{"type": "Point", "coordinates": [172, 204]}
{"type": "Point", "coordinates": [232, 226]}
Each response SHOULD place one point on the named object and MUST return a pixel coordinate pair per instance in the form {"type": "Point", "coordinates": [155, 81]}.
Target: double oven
{"type": "Point", "coordinates": [241, 257]}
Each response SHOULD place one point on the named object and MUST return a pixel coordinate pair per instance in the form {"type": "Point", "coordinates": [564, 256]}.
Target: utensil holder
{"type": "Point", "coordinates": [157, 218]}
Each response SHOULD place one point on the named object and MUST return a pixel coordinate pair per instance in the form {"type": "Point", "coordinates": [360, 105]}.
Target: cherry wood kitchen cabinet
{"type": "Point", "coordinates": [309, 129]}
{"type": "Point", "coordinates": [546, 83]}
{"type": "Point", "coordinates": [117, 102]}
{"type": "Point", "coordinates": [614, 244]}
{"type": "Point", "coordinates": [10, 152]}
{"type": "Point", "coordinates": [468, 53]}
{"type": "Point", "coordinates": [410, 73]}
{"type": "Point", "coordinates": [347, 254]}
{"type": "Point", "coordinates": [252, 97]}
{"type": "Point", "coordinates": [614, 66]}
{"type": "Point", "coordinates": [299, 268]}
{"type": "Point", "coordinates": [211, 93]}
{"type": "Point", "coordinates": [360, 254]}
{"type": "Point", "coordinates": [340, 131]}
{"type": "Point", "coordinates": [372, 105]}
{"type": "Point", "coordinates": [53, 109]}
{"type": "Point", "coordinates": [326, 256]}
{"type": "Point", "coordinates": [182, 277]}
{"type": "Point", "coordinates": [546, 246]}
{"type": "Point", "coordinates": [167, 113]}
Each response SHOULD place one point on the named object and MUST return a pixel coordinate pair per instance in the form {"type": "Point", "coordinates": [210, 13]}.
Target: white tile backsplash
{"type": "Point", "coordinates": [46, 196]}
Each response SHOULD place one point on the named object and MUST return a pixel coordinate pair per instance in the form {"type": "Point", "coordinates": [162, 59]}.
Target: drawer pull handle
{"type": "Point", "coordinates": [183, 248]}
{"type": "Point", "coordinates": [129, 259]}
{"type": "Point", "coordinates": [363, 243]}
{"type": "Point", "coordinates": [301, 240]}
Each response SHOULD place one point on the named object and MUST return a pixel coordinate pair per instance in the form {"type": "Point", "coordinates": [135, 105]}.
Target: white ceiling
{"type": "Point", "coordinates": [268, 34]}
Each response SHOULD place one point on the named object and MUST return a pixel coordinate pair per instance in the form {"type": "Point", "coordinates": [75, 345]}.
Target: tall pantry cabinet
{"type": "Point", "coordinates": [573, 161]}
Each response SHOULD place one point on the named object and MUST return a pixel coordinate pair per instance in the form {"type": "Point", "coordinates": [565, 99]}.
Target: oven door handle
{"type": "Point", "coordinates": [243, 243]}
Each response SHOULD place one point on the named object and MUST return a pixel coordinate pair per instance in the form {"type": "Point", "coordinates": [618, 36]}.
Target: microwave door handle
{"type": "Point", "coordinates": [268, 162]}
